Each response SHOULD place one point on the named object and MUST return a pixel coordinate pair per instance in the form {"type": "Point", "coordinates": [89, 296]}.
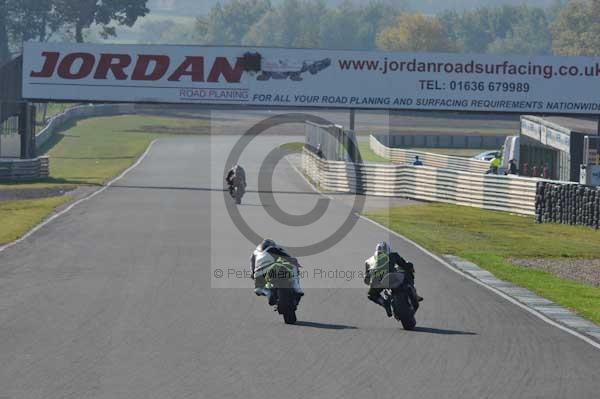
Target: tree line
{"type": "Point", "coordinates": [41, 20]}
{"type": "Point", "coordinates": [569, 28]}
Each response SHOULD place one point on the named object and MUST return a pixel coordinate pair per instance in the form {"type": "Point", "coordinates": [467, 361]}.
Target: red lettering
{"type": "Point", "coordinates": [49, 65]}
{"type": "Point", "coordinates": [117, 68]}
{"type": "Point", "coordinates": [148, 67]}
{"type": "Point", "coordinates": [161, 65]}
{"type": "Point", "coordinates": [192, 66]}
{"type": "Point", "coordinates": [87, 64]}
{"type": "Point", "coordinates": [223, 67]}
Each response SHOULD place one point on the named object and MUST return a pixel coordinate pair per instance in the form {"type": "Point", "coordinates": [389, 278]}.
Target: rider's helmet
{"type": "Point", "coordinates": [266, 244]}
{"type": "Point", "coordinates": [382, 248]}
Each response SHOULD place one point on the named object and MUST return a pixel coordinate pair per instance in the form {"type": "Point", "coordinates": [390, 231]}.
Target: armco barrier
{"type": "Point", "coordinates": [503, 193]}
{"type": "Point", "coordinates": [80, 112]}
{"type": "Point", "coordinates": [24, 169]}
{"type": "Point", "coordinates": [402, 156]}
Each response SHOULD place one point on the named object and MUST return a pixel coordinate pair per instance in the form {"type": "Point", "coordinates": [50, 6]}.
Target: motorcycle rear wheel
{"type": "Point", "coordinates": [286, 305]}
{"type": "Point", "coordinates": [403, 310]}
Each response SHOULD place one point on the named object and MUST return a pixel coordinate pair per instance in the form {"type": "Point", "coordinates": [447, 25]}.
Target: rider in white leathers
{"type": "Point", "coordinates": [266, 257]}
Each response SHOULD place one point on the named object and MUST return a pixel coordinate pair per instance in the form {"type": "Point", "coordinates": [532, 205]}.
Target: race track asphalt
{"type": "Point", "coordinates": [118, 299]}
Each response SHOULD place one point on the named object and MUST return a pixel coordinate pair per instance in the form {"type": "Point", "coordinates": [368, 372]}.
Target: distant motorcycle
{"type": "Point", "coordinates": [403, 299]}
{"type": "Point", "coordinates": [236, 191]}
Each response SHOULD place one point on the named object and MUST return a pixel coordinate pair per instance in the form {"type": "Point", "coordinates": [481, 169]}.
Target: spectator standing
{"type": "Point", "coordinates": [319, 151]}
{"type": "Point", "coordinates": [546, 172]}
{"type": "Point", "coordinates": [417, 161]}
{"type": "Point", "coordinates": [512, 168]}
{"type": "Point", "coordinates": [495, 164]}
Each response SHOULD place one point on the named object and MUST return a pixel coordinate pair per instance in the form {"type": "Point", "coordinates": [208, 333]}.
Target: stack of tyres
{"type": "Point", "coordinates": [571, 204]}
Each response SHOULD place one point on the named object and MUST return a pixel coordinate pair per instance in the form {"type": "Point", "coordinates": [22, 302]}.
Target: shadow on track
{"type": "Point", "coordinates": [209, 189]}
{"type": "Point", "coordinates": [325, 326]}
{"type": "Point", "coordinates": [441, 331]}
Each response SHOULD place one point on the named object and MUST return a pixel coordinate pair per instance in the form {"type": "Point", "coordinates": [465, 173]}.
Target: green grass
{"type": "Point", "coordinates": [97, 149]}
{"type": "Point", "coordinates": [293, 147]}
{"type": "Point", "coordinates": [368, 155]}
{"type": "Point", "coordinates": [488, 238]}
{"type": "Point", "coordinates": [20, 216]}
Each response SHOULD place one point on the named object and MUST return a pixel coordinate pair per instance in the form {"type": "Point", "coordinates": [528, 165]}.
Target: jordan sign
{"type": "Point", "coordinates": [311, 78]}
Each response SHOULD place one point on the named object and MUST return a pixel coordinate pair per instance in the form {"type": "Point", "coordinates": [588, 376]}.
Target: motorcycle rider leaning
{"type": "Point", "coordinates": [236, 176]}
{"type": "Point", "coordinates": [383, 262]}
{"type": "Point", "coordinates": [270, 261]}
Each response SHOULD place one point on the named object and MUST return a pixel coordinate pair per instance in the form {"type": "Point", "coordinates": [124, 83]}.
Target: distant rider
{"type": "Point", "coordinates": [236, 177]}
{"type": "Point", "coordinates": [269, 261]}
{"type": "Point", "coordinates": [383, 262]}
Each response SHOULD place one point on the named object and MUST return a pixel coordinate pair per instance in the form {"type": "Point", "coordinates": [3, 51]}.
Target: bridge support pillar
{"type": "Point", "coordinates": [27, 130]}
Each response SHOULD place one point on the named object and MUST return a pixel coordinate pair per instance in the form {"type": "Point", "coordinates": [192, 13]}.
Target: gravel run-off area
{"type": "Point", "coordinates": [14, 194]}
{"type": "Point", "coordinates": [586, 271]}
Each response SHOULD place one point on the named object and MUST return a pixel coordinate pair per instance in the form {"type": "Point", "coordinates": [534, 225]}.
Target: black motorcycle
{"type": "Point", "coordinates": [403, 298]}
{"type": "Point", "coordinates": [283, 296]}
{"type": "Point", "coordinates": [286, 302]}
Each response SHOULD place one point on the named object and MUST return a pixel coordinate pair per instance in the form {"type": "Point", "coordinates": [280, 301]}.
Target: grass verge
{"type": "Point", "coordinates": [488, 238]}
{"type": "Point", "coordinates": [368, 155]}
{"type": "Point", "coordinates": [95, 150]}
{"type": "Point", "coordinates": [90, 152]}
{"type": "Point", "coordinates": [295, 147]}
{"type": "Point", "coordinates": [18, 217]}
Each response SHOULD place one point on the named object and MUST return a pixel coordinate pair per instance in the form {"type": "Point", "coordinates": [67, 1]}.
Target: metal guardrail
{"type": "Point", "coordinates": [24, 169]}
{"type": "Point", "coordinates": [402, 156]}
{"type": "Point", "coordinates": [502, 193]}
